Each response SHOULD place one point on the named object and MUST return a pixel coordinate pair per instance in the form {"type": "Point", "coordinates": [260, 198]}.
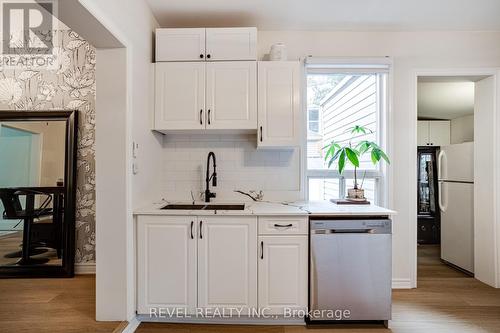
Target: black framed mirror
{"type": "Point", "coordinates": [37, 193]}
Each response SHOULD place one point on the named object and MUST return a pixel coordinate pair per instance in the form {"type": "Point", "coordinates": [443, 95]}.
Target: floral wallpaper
{"type": "Point", "coordinates": [70, 85]}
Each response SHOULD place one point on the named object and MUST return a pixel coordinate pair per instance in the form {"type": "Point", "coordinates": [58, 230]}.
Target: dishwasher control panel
{"type": "Point", "coordinates": [373, 226]}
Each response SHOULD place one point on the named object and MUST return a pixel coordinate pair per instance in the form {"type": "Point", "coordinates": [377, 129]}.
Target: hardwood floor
{"type": "Point", "coordinates": [50, 306]}
{"type": "Point", "coordinates": [445, 301]}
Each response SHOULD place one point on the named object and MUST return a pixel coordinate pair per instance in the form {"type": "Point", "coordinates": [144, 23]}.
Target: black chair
{"type": "Point", "coordinates": [14, 211]}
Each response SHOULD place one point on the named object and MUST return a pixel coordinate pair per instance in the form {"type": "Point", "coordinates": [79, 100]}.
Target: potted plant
{"type": "Point", "coordinates": [349, 153]}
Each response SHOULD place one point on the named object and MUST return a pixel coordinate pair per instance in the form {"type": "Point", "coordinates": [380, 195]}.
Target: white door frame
{"type": "Point", "coordinates": [412, 191]}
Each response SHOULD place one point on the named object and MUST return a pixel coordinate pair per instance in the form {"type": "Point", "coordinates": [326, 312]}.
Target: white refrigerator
{"type": "Point", "coordinates": [456, 203]}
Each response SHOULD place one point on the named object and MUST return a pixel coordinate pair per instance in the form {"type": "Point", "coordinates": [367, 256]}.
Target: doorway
{"type": "Point", "coordinates": [453, 115]}
{"type": "Point", "coordinates": [19, 165]}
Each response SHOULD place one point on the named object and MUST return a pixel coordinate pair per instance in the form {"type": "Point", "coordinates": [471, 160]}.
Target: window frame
{"type": "Point", "coordinates": [353, 66]}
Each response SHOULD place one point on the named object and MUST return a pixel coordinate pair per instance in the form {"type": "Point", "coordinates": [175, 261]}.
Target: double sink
{"type": "Point", "coordinates": [205, 207]}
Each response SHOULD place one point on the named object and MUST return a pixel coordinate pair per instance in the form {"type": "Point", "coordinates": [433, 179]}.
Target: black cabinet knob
{"type": "Point", "coordinates": [201, 56]}
{"type": "Point", "coordinates": [208, 56]}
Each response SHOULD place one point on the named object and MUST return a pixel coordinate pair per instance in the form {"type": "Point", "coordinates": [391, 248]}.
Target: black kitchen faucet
{"type": "Point", "coordinates": [213, 177]}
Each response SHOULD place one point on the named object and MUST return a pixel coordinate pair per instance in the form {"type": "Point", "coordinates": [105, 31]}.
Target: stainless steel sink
{"type": "Point", "coordinates": [205, 207]}
{"type": "Point", "coordinates": [225, 207]}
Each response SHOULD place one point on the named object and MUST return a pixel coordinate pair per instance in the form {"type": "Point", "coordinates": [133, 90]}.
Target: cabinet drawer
{"type": "Point", "coordinates": [283, 225]}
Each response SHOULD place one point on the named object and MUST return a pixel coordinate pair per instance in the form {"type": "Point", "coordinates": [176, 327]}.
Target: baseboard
{"type": "Point", "coordinates": [243, 320]}
{"type": "Point", "coordinates": [85, 268]}
{"type": "Point", "coordinates": [401, 284]}
{"type": "Point", "coordinates": [133, 324]}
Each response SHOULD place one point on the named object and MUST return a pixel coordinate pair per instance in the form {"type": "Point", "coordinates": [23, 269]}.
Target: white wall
{"type": "Point", "coordinates": [484, 187]}
{"type": "Point", "coordinates": [112, 183]}
{"type": "Point", "coordinates": [133, 24]}
{"type": "Point", "coordinates": [462, 129]}
{"type": "Point", "coordinates": [410, 51]}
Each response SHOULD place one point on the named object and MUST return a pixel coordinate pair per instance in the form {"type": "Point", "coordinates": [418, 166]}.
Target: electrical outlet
{"type": "Point", "coordinates": [135, 148]}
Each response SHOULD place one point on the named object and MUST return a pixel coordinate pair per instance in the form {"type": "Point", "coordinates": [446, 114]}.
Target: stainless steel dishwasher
{"type": "Point", "coordinates": [350, 270]}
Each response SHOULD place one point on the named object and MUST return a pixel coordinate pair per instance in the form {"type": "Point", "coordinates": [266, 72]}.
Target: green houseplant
{"type": "Point", "coordinates": [351, 153]}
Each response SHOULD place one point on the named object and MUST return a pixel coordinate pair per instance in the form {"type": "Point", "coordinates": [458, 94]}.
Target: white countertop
{"type": "Point", "coordinates": [265, 208]}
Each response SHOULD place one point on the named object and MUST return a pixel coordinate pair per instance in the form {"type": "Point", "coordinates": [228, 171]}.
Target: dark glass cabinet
{"type": "Point", "coordinates": [427, 197]}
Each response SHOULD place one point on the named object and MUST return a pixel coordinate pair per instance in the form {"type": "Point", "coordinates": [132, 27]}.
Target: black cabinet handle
{"type": "Point", "coordinates": [209, 116]}
{"type": "Point", "coordinates": [208, 56]}
{"type": "Point", "coordinates": [276, 225]}
{"type": "Point", "coordinates": [261, 134]}
{"type": "Point", "coordinates": [201, 118]}
{"type": "Point", "coordinates": [261, 250]}
{"type": "Point", "coordinates": [201, 56]}
{"type": "Point", "coordinates": [192, 223]}
{"type": "Point", "coordinates": [201, 233]}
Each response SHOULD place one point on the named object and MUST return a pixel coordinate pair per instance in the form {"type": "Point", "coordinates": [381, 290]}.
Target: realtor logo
{"type": "Point", "coordinates": [27, 27]}
{"type": "Point", "coordinates": [27, 32]}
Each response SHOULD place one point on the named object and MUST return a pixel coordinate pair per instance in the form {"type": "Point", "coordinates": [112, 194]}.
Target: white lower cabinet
{"type": "Point", "coordinates": [166, 263]}
{"type": "Point", "coordinates": [227, 262]}
{"type": "Point", "coordinates": [282, 273]}
{"type": "Point", "coordinates": [189, 262]}
{"type": "Point", "coordinates": [185, 262]}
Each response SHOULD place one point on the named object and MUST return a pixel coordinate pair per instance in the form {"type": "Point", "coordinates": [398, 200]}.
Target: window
{"type": "Point", "coordinates": [339, 98]}
{"type": "Point", "coordinates": [313, 120]}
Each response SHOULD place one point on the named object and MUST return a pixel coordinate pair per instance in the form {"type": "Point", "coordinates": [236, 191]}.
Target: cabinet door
{"type": "Point", "coordinates": [166, 263]}
{"type": "Point", "coordinates": [422, 133]}
{"type": "Point", "coordinates": [231, 43]}
{"type": "Point", "coordinates": [227, 262]}
{"type": "Point", "coordinates": [180, 44]}
{"type": "Point", "coordinates": [439, 133]}
{"type": "Point", "coordinates": [278, 104]}
{"type": "Point", "coordinates": [282, 273]}
{"type": "Point", "coordinates": [231, 95]}
{"type": "Point", "coordinates": [180, 95]}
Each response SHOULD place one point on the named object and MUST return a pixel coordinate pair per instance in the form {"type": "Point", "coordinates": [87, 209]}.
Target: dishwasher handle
{"type": "Point", "coordinates": [344, 231]}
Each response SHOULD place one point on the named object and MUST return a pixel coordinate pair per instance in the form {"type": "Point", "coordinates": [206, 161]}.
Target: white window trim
{"type": "Point", "coordinates": [351, 65]}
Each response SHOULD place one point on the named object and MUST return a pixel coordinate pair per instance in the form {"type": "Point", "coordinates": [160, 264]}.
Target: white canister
{"type": "Point", "coordinates": [278, 52]}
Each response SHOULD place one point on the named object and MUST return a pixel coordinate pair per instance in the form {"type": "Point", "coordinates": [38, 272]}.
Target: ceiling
{"type": "Point", "coordinates": [357, 15]}
{"type": "Point", "coordinates": [440, 99]}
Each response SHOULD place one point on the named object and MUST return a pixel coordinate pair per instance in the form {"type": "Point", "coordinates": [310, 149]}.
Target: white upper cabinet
{"type": "Point", "coordinates": [180, 96]}
{"type": "Point", "coordinates": [278, 104]}
{"type": "Point", "coordinates": [213, 96]}
{"type": "Point", "coordinates": [422, 133]}
{"type": "Point", "coordinates": [433, 132]}
{"type": "Point", "coordinates": [206, 44]}
{"type": "Point", "coordinates": [231, 44]}
{"type": "Point", "coordinates": [439, 133]}
{"type": "Point", "coordinates": [231, 100]}
{"type": "Point", "coordinates": [166, 263]}
{"type": "Point", "coordinates": [180, 44]}
{"type": "Point", "coordinates": [227, 262]}
{"type": "Point", "coordinates": [283, 273]}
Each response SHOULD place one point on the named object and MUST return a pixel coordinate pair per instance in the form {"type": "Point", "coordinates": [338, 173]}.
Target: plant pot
{"type": "Point", "coordinates": [356, 194]}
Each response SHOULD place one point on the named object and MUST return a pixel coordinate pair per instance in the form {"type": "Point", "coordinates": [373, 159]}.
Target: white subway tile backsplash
{"type": "Point", "coordinates": [239, 166]}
